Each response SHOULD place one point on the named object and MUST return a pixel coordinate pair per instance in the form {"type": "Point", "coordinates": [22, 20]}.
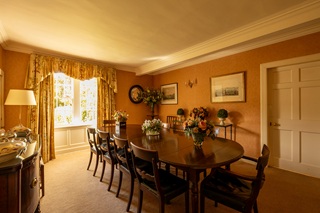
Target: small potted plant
{"type": "Point", "coordinates": [180, 113]}
{"type": "Point", "coordinates": [222, 115]}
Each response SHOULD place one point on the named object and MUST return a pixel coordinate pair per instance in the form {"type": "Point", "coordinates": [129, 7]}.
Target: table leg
{"type": "Point", "coordinates": [194, 179]}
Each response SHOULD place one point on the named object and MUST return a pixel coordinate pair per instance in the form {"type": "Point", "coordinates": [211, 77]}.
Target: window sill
{"type": "Point", "coordinates": [72, 126]}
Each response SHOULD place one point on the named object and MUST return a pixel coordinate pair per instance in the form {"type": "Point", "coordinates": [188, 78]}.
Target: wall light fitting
{"type": "Point", "coordinates": [190, 83]}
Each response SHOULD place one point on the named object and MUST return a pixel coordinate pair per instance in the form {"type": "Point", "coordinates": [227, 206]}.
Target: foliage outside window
{"type": "Point", "coordinates": [75, 101]}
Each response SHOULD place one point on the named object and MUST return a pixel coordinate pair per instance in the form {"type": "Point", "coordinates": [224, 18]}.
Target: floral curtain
{"type": "Point", "coordinates": [40, 79]}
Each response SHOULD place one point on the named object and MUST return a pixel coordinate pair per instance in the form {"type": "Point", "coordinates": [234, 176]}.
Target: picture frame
{"type": "Point", "coordinates": [228, 88]}
{"type": "Point", "coordinates": [170, 93]}
{"type": "Point", "coordinates": [133, 94]}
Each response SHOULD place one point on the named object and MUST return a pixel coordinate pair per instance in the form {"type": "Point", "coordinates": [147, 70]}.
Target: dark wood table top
{"type": "Point", "coordinates": [177, 149]}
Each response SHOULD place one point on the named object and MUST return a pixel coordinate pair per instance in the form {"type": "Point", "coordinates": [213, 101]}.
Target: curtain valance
{"type": "Point", "coordinates": [41, 66]}
{"type": "Point", "coordinates": [39, 78]}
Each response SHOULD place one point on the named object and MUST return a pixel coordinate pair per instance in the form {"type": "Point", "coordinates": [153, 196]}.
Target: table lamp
{"type": "Point", "coordinates": [20, 97]}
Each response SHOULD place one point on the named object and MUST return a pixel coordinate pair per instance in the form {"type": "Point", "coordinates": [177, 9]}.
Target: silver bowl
{"type": "Point", "coordinates": [11, 150]}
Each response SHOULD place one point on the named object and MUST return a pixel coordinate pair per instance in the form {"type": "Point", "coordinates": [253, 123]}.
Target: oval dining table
{"type": "Point", "coordinates": [177, 149]}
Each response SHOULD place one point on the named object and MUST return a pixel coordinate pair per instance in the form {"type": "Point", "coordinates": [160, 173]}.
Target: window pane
{"type": "Point", "coordinates": [88, 100]}
{"type": "Point", "coordinates": [75, 101]}
{"type": "Point", "coordinates": [63, 99]}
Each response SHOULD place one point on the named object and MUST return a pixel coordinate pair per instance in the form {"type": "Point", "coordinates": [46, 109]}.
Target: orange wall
{"type": "Point", "coordinates": [245, 116]}
{"type": "Point", "coordinates": [15, 67]}
{"type": "Point", "coordinates": [137, 112]}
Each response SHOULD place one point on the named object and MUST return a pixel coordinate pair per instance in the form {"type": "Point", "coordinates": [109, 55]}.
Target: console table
{"type": "Point", "coordinates": [20, 184]}
{"type": "Point", "coordinates": [225, 126]}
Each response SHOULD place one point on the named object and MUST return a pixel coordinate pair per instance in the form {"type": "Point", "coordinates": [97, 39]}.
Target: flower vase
{"type": "Point", "coordinates": [117, 129]}
{"type": "Point", "coordinates": [121, 124]}
{"type": "Point", "coordinates": [222, 121]}
{"type": "Point", "coordinates": [152, 132]}
{"type": "Point", "coordinates": [152, 110]}
{"type": "Point", "coordinates": [198, 139]}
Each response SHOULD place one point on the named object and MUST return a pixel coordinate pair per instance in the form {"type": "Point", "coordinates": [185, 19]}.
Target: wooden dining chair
{"type": "Point", "coordinates": [106, 123]}
{"type": "Point", "coordinates": [156, 181]}
{"type": "Point", "coordinates": [94, 148]}
{"type": "Point", "coordinates": [171, 119]}
{"type": "Point", "coordinates": [122, 153]}
{"type": "Point", "coordinates": [108, 154]}
{"type": "Point", "coordinates": [235, 190]}
{"type": "Point", "coordinates": [109, 123]}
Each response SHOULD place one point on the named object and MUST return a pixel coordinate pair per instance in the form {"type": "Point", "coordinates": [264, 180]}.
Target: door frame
{"type": "Point", "coordinates": [264, 68]}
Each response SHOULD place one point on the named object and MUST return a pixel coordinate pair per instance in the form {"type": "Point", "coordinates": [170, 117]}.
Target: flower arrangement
{"type": "Point", "coordinates": [200, 112]}
{"type": "Point", "coordinates": [152, 127]}
{"type": "Point", "coordinates": [151, 96]}
{"type": "Point", "coordinates": [120, 116]}
{"type": "Point", "coordinates": [198, 129]}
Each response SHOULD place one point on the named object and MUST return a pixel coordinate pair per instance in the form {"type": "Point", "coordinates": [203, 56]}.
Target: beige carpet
{"type": "Point", "coordinates": [71, 188]}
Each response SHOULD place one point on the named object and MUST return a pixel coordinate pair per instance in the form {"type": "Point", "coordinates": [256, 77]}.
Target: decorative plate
{"type": "Point", "coordinates": [133, 94]}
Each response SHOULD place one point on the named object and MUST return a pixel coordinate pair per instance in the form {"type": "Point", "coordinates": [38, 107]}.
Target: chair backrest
{"type": "Point", "coordinates": [171, 120]}
{"type": "Point", "coordinates": [143, 172]}
{"type": "Point", "coordinates": [109, 123]}
{"type": "Point", "coordinates": [121, 148]}
{"type": "Point", "coordinates": [262, 162]}
{"type": "Point", "coordinates": [92, 136]}
{"type": "Point", "coordinates": [104, 137]}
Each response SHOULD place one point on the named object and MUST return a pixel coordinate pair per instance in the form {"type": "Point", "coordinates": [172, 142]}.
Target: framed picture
{"type": "Point", "coordinates": [228, 88]}
{"type": "Point", "coordinates": [170, 93]}
{"type": "Point", "coordinates": [133, 94]}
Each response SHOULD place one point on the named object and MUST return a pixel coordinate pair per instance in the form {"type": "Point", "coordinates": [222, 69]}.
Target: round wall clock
{"type": "Point", "coordinates": [133, 94]}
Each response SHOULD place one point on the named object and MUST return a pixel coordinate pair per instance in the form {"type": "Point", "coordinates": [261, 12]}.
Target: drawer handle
{"type": "Point", "coordinates": [34, 183]}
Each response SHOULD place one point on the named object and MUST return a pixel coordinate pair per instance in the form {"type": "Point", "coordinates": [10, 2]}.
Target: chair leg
{"type": "Point", "coordinates": [161, 206]}
{"type": "Point", "coordinates": [120, 181]}
{"type": "Point", "coordinates": [186, 197]}
{"type": "Point", "coordinates": [97, 163]}
{"type": "Point", "coordinates": [90, 159]}
{"type": "Point", "coordinates": [131, 193]}
{"type": "Point", "coordinates": [103, 168]}
{"type": "Point", "coordinates": [255, 207]}
{"type": "Point", "coordinates": [140, 201]}
{"type": "Point", "coordinates": [111, 177]}
{"type": "Point", "coordinates": [202, 203]}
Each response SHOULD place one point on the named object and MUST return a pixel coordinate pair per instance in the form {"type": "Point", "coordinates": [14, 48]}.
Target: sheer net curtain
{"type": "Point", "coordinates": [40, 79]}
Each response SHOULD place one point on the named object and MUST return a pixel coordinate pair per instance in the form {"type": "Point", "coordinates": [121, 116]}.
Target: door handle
{"type": "Point", "coordinates": [274, 124]}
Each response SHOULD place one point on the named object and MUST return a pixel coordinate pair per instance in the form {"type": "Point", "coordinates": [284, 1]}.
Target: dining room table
{"type": "Point", "coordinates": [177, 149]}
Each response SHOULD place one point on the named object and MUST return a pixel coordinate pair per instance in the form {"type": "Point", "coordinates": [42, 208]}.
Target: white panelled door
{"type": "Point", "coordinates": [294, 117]}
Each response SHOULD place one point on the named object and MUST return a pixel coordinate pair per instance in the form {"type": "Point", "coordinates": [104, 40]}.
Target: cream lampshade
{"type": "Point", "coordinates": [20, 98]}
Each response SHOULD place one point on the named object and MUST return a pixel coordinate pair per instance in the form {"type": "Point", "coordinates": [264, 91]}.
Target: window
{"type": "Point", "coordinates": [75, 101]}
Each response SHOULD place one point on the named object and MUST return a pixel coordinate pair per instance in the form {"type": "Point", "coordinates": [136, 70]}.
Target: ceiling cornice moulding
{"type": "Point", "coordinates": [304, 13]}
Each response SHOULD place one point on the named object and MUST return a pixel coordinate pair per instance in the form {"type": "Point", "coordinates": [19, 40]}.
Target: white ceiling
{"type": "Point", "coordinates": [148, 36]}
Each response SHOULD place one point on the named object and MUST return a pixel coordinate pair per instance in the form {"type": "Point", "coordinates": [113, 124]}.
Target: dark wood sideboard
{"type": "Point", "coordinates": [20, 185]}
